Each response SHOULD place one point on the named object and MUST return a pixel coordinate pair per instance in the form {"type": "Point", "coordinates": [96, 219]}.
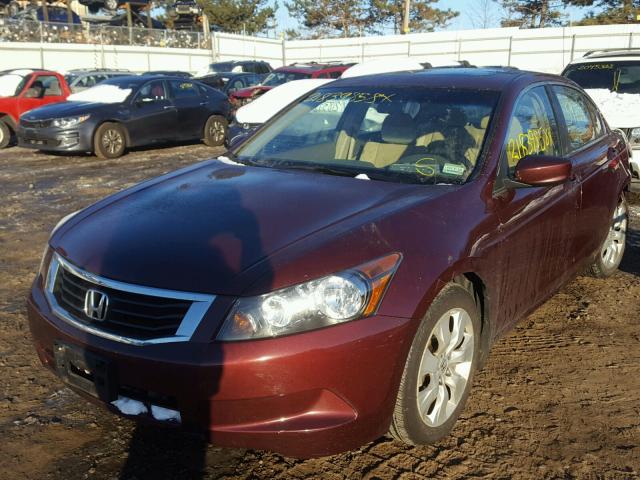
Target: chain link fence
{"type": "Point", "coordinates": [30, 31]}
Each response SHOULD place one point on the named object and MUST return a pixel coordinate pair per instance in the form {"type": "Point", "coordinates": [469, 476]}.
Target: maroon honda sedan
{"type": "Point", "coordinates": [343, 272]}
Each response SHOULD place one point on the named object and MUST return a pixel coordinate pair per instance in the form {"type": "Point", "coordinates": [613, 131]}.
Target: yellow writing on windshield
{"type": "Point", "coordinates": [596, 66]}
{"type": "Point", "coordinates": [354, 97]}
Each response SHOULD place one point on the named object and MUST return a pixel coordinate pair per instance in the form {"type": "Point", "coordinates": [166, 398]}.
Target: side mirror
{"type": "Point", "coordinates": [34, 92]}
{"type": "Point", "coordinates": [543, 170]}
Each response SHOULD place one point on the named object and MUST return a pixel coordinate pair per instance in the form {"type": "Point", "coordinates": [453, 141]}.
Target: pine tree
{"type": "Point", "coordinates": [531, 13]}
{"type": "Point", "coordinates": [249, 16]}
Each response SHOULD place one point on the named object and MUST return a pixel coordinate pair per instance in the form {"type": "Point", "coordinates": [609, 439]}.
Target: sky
{"type": "Point", "coordinates": [468, 12]}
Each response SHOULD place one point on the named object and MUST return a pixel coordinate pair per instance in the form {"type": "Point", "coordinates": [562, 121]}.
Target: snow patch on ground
{"type": "Point", "coordinates": [622, 110]}
{"type": "Point", "coordinates": [129, 406]}
{"type": "Point", "coordinates": [101, 94]}
{"type": "Point", "coordinates": [165, 414]}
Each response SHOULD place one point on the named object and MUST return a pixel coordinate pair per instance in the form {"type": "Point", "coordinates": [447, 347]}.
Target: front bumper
{"type": "Point", "coordinates": [55, 139]}
{"type": "Point", "coordinates": [306, 395]}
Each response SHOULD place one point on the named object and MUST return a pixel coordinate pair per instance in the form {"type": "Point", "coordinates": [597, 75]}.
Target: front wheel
{"type": "Point", "coordinates": [5, 135]}
{"type": "Point", "coordinates": [439, 369]}
{"type": "Point", "coordinates": [109, 141]}
{"type": "Point", "coordinates": [612, 250]}
{"type": "Point", "coordinates": [215, 131]}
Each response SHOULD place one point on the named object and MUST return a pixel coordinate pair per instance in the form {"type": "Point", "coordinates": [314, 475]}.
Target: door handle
{"type": "Point", "coordinates": [202, 104]}
{"type": "Point", "coordinates": [168, 107]}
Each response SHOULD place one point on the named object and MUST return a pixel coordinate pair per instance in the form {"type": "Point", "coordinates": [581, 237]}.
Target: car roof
{"type": "Point", "coordinates": [609, 54]}
{"type": "Point", "coordinates": [477, 78]}
{"type": "Point", "coordinates": [309, 67]}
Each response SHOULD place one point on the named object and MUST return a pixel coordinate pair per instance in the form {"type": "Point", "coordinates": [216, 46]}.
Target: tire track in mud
{"type": "Point", "coordinates": [558, 398]}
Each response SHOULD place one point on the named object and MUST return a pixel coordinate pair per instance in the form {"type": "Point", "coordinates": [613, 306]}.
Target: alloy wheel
{"type": "Point", "coordinates": [217, 131]}
{"type": "Point", "coordinates": [112, 141]}
{"type": "Point", "coordinates": [613, 247]}
{"type": "Point", "coordinates": [445, 367]}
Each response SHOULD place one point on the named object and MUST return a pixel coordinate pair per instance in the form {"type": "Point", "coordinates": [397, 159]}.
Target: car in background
{"type": "Point", "coordinates": [172, 73]}
{"type": "Point", "coordinates": [9, 8]}
{"type": "Point", "coordinates": [81, 79]}
{"type": "Point", "coordinates": [184, 14]}
{"type": "Point", "coordinates": [229, 82]}
{"type": "Point", "coordinates": [297, 71]}
{"type": "Point", "coordinates": [112, 5]}
{"type": "Point", "coordinates": [611, 77]}
{"type": "Point", "coordinates": [55, 14]}
{"type": "Point", "coordinates": [344, 272]}
{"type": "Point", "coordinates": [125, 112]}
{"type": "Point", "coordinates": [249, 117]}
{"type": "Point", "coordinates": [22, 90]}
{"type": "Point", "coordinates": [246, 66]}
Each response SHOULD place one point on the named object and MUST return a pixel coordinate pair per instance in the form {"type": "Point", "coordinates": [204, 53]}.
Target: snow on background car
{"type": "Point", "coordinates": [621, 110]}
{"type": "Point", "coordinates": [101, 94]}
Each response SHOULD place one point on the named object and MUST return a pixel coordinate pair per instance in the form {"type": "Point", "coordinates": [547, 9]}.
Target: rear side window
{"type": "Point", "coordinates": [182, 89]}
{"type": "Point", "coordinates": [532, 129]}
{"type": "Point", "coordinates": [335, 74]}
{"type": "Point", "coordinates": [583, 123]}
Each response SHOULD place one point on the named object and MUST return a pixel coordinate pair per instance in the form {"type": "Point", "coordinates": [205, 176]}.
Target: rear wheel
{"type": "Point", "coordinates": [612, 249]}
{"type": "Point", "coordinates": [109, 141]}
{"type": "Point", "coordinates": [5, 135]}
{"type": "Point", "coordinates": [439, 369]}
{"type": "Point", "coordinates": [215, 131]}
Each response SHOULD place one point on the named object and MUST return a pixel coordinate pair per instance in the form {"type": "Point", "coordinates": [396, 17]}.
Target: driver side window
{"type": "Point", "coordinates": [532, 129]}
{"type": "Point", "coordinates": [152, 92]}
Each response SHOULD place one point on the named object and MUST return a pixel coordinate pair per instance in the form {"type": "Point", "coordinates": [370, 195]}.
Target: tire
{"type": "Point", "coordinates": [5, 135]}
{"type": "Point", "coordinates": [612, 249]}
{"type": "Point", "coordinates": [215, 131]}
{"type": "Point", "coordinates": [109, 141]}
{"type": "Point", "coordinates": [441, 379]}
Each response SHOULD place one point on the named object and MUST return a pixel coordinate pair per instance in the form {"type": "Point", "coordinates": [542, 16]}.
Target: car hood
{"type": "Point", "coordinates": [247, 92]}
{"type": "Point", "coordinates": [200, 229]}
{"type": "Point", "coordinates": [64, 109]}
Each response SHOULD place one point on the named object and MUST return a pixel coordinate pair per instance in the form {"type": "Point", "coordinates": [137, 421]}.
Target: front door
{"type": "Point", "coordinates": [537, 224]}
{"type": "Point", "coordinates": [153, 116]}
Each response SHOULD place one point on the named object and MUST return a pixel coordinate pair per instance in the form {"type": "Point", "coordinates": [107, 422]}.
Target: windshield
{"type": "Point", "coordinates": [621, 77]}
{"type": "Point", "coordinates": [11, 84]}
{"type": "Point", "coordinates": [278, 78]}
{"type": "Point", "coordinates": [416, 135]}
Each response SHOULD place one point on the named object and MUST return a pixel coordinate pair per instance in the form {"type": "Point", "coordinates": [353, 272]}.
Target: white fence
{"type": "Point", "coordinates": [547, 50]}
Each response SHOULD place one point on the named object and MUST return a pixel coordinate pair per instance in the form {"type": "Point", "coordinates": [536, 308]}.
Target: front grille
{"type": "Point", "coordinates": [35, 123]}
{"type": "Point", "coordinates": [128, 314]}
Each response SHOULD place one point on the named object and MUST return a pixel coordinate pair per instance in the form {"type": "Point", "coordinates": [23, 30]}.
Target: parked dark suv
{"type": "Point", "coordinates": [248, 66]}
{"type": "Point", "coordinates": [344, 272]}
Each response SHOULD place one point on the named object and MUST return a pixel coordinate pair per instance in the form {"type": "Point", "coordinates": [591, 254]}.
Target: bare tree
{"type": "Point", "coordinates": [484, 14]}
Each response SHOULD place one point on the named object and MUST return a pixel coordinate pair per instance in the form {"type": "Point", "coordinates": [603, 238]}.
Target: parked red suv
{"type": "Point", "coordinates": [297, 71]}
{"type": "Point", "coordinates": [22, 90]}
{"type": "Point", "coordinates": [342, 273]}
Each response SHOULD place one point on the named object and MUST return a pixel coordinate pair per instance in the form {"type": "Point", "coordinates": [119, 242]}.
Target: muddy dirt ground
{"type": "Point", "coordinates": [558, 398]}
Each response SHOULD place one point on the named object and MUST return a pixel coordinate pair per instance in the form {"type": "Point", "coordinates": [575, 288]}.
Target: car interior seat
{"type": "Point", "coordinates": [398, 134]}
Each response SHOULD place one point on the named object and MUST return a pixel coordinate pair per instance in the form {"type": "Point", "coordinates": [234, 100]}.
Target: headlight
{"type": "Point", "coordinates": [337, 298]}
{"type": "Point", "coordinates": [69, 121]}
{"type": "Point", "coordinates": [634, 138]}
{"type": "Point", "coordinates": [46, 255]}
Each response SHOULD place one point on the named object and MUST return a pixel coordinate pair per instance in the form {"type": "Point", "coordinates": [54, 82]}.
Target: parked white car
{"type": "Point", "coordinates": [611, 77]}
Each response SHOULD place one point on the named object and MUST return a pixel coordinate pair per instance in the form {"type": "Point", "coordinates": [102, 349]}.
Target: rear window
{"type": "Point", "coordinates": [621, 77]}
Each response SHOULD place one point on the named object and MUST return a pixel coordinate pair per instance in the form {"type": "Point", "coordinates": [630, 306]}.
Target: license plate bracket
{"type": "Point", "coordinates": [85, 371]}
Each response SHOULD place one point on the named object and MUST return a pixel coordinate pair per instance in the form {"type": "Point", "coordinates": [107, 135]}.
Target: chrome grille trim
{"type": "Point", "coordinates": [196, 312]}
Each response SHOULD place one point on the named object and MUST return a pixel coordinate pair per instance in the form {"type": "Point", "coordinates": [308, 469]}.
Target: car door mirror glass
{"type": "Point", "coordinates": [542, 170]}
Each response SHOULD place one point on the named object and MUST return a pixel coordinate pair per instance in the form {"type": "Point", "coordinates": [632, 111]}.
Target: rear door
{"type": "Point", "coordinates": [591, 150]}
{"type": "Point", "coordinates": [537, 224]}
{"type": "Point", "coordinates": [192, 112]}
{"type": "Point", "coordinates": [153, 116]}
